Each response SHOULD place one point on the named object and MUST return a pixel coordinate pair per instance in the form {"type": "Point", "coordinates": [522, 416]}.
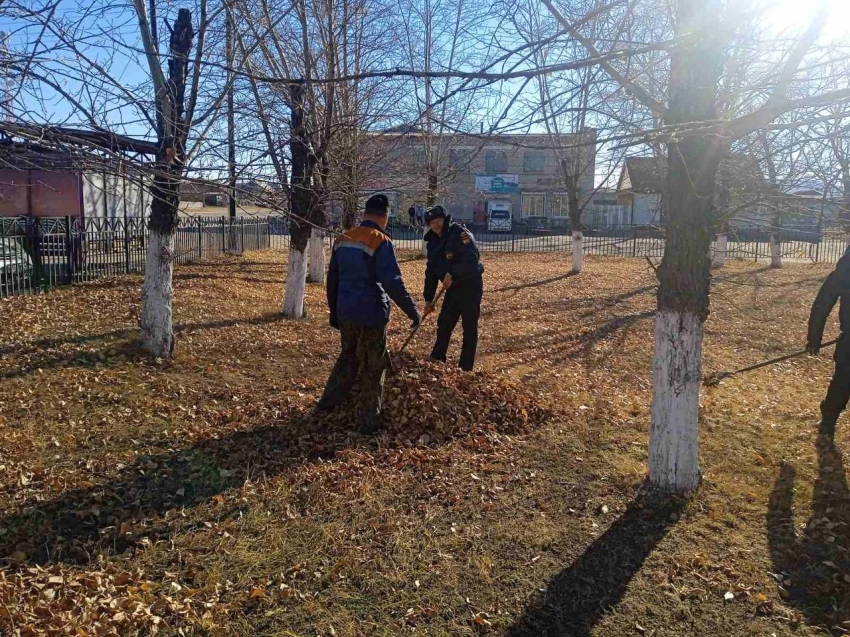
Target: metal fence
{"type": "Point", "coordinates": [744, 242]}
{"type": "Point", "coordinates": [40, 253]}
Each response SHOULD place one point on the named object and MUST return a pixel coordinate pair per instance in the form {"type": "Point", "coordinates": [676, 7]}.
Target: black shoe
{"type": "Point", "coordinates": [827, 427]}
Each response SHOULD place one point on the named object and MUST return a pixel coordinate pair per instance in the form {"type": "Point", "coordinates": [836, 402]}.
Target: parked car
{"type": "Point", "coordinates": [15, 264]}
{"type": "Point", "coordinates": [537, 224]}
{"type": "Point", "coordinates": [499, 218]}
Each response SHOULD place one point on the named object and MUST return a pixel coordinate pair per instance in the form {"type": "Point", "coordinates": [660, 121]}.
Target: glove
{"type": "Point", "coordinates": [334, 321]}
{"type": "Point", "coordinates": [416, 321]}
{"type": "Point", "coordinates": [812, 349]}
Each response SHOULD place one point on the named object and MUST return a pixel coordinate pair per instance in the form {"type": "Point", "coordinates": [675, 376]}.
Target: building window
{"type": "Point", "coordinates": [560, 205]}
{"type": "Point", "coordinates": [533, 205]}
{"type": "Point", "coordinates": [534, 161]}
{"type": "Point", "coordinates": [419, 156]}
{"type": "Point", "coordinates": [460, 158]}
{"type": "Point", "coordinates": [496, 161]}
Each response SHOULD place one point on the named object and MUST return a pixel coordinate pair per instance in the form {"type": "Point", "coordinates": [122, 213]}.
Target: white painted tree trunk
{"type": "Point", "coordinates": [775, 252]}
{"type": "Point", "coordinates": [578, 251]}
{"type": "Point", "coordinates": [316, 248]}
{"type": "Point", "coordinates": [720, 251]}
{"type": "Point", "coordinates": [424, 247]}
{"type": "Point", "coordinates": [157, 335]}
{"type": "Point", "coordinates": [296, 284]}
{"type": "Point", "coordinates": [676, 377]}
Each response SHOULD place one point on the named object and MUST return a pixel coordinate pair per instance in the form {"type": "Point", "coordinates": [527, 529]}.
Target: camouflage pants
{"type": "Point", "coordinates": [363, 359]}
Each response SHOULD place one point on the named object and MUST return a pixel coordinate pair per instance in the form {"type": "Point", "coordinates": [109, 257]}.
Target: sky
{"type": "Point", "coordinates": [788, 16]}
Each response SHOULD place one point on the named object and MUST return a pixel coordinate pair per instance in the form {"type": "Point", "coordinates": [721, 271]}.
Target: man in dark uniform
{"type": "Point", "coordinates": [836, 286]}
{"type": "Point", "coordinates": [453, 258]}
{"type": "Point", "coordinates": [362, 278]}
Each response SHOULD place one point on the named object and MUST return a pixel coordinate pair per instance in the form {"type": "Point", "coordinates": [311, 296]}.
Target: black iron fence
{"type": "Point", "coordinates": [40, 253]}
{"type": "Point", "coordinates": [743, 242]}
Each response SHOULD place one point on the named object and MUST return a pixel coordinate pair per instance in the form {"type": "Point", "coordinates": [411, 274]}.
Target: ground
{"type": "Point", "coordinates": [188, 497]}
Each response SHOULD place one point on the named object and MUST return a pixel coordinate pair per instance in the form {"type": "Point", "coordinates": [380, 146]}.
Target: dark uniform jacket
{"type": "Point", "coordinates": [453, 252]}
{"type": "Point", "coordinates": [363, 276]}
{"type": "Point", "coordinates": [836, 286]}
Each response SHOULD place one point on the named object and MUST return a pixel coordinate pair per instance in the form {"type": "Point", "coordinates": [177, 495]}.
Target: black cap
{"type": "Point", "coordinates": [378, 205]}
{"type": "Point", "coordinates": [434, 212]}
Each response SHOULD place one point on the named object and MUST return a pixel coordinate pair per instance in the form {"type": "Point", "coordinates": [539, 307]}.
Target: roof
{"type": "Point", "coordinates": [65, 139]}
{"type": "Point", "coordinates": [646, 174]}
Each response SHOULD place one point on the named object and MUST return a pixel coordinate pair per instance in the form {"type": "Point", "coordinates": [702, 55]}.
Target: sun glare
{"type": "Point", "coordinates": [790, 14]}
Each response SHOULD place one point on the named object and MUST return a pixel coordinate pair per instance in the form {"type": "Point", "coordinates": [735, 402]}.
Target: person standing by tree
{"type": "Point", "coordinates": [453, 258]}
{"type": "Point", "coordinates": [411, 212]}
{"type": "Point", "coordinates": [836, 286]}
{"type": "Point", "coordinates": [362, 278]}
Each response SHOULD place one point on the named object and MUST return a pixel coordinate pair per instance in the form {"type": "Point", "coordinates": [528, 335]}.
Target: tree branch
{"type": "Point", "coordinates": [628, 85]}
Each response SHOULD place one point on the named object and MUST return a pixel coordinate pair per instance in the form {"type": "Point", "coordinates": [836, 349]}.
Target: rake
{"type": "Point", "coordinates": [714, 378]}
{"type": "Point", "coordinates": [416, 329]}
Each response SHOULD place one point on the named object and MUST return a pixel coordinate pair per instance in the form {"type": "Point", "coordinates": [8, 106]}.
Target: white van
{"type": "Point", "coordinates": [499, 217]}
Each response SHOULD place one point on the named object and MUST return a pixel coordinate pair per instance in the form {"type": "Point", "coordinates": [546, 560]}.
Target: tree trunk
{"type": "Point", "coordinates": [676, 375]}
{"type": "Point", "coordinates": [578, 237]}
{"type": "Point", "coordinates": [776, 242]}
{"type": "Point", "coordinates": [775, 250]}
{"type": "Point", "coordinates": [684, 274]}
{"type": "Point", "coordinates": [157, 334]}
{"type": "Point", "coordinates": [721, 250]}
{"type": "Point", "coordinates": [316, 273]}
{"type": "Point", "coordinates": [431, 194]}
{"type": "Point", "coordinates": [296, 283]}
{"type": "Point", "coordinates": [301, 203]}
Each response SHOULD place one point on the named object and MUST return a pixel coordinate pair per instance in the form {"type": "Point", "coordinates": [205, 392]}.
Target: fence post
{"type": "Point", "coordinates": [69, 249]}
{"type": "Point", "coordinates": [126, 245]}
{"type": "Point", "coordinates": [513, 237]}
{"type": "Point", "coordinates": [200, 240]}
{"type": "Point", "coordinates": [242, 228]}
{"type": "Point", "coordinates": [223, 236]}
{"type": "Point", "coordinates": [634, 240]}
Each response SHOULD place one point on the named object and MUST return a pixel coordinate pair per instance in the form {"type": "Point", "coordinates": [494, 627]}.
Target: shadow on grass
{"type": "Point", "coordinates": [534, 284]}
{"type": "Point", "coordinates": [578, 597]}
{"type": "Point", "coordinates": [569, 345]}
{"type": "Point", "coordinates": [810, 568]}
{"type": "Point", "coordinates": [142, 501]}
{"type": "Point", "coordinates": [47, 360]}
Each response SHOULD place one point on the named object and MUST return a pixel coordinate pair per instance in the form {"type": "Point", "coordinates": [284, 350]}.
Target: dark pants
{"type": "Point", "coordinates": [462, 301]}
{"type": "Point", "coordinates": [839, 389]}
{"type": "Point", "coordinates": [363, 359]}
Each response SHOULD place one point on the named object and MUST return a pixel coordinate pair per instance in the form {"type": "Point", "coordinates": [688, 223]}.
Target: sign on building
{"type": "Point", "coordinates": [497, 183]}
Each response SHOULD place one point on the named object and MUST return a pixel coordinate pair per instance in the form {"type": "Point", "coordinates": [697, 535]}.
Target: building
{"type": "Point", "coordinates": [641, 184]}
{"type": "Point", "coordinates": [471, 173]}
{"type": "Point", "coordinates": [71, 173]}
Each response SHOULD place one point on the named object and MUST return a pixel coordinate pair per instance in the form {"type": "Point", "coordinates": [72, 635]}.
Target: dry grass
{"type": "Point", "coordinates": [195, 497]}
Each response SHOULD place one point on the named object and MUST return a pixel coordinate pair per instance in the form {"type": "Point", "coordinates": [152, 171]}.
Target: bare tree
{"type": "Point", "coordinates": [701, 135]}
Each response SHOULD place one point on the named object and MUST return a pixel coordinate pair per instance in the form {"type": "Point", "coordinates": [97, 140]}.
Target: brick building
{"type": "Point", "coordinates": [473, 172]}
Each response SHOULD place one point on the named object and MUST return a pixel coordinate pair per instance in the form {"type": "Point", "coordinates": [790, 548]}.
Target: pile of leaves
{"type": "Point", "coordinates": [65, 601]}
{"type": "Point", "coordinates": [427, 402]}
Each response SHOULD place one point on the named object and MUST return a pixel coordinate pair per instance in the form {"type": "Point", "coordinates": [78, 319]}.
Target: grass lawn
{"type": "Point", "coordinates": [196, 497]}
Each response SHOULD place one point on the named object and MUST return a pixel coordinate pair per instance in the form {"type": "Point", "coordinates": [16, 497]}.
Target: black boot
{"type": "Point", "coordinates": [827, 423]}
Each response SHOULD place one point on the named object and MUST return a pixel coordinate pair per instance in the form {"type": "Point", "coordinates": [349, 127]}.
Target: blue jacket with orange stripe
{"type": "Point", "coordinates": [364, 276]}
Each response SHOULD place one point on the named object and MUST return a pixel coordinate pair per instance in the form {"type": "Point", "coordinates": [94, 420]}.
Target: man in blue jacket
{"type": "Point", "coordinates": [835, 288]}
{"type": "Point", "coordinates": [362, 278]}
{"type": "Point", "coordinates": [453, 258]}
